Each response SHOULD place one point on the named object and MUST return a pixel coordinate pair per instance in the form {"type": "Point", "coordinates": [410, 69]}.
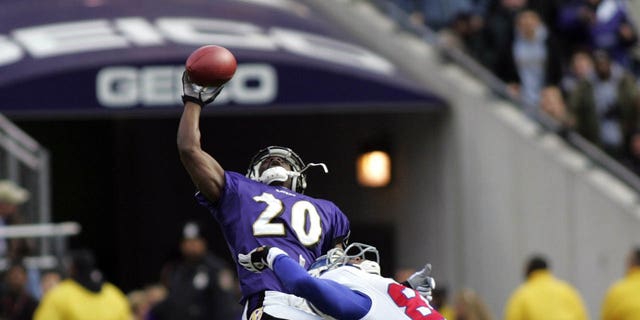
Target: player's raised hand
{"type": "Point", "coordinates": [196, 93]}
{"type": "Point", "coordinates": [423, 282]}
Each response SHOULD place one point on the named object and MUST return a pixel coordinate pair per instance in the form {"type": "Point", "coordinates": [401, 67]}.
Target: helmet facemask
{"type": "Point", "coordinates": [368, 256]}
{"type": "Point", "coordinates": [323, 263]}
{"type": "Point", "coordinates": [280, 174]}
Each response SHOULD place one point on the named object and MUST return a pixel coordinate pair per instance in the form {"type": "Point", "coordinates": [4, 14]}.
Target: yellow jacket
{"type": "Point", "coordinates": [447, 312]}
{"type": "Point", "coordinates": [622, 300]}
{"type": "Point", "coordinates": [71, 301]}
{"type": "Point", "coordinates": [544, 297]}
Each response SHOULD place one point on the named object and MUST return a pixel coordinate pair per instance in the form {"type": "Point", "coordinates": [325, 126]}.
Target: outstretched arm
{"type": "Point", "coordinates": [206, 173]}
{"type": "Point", "coordinates": [330, 297]}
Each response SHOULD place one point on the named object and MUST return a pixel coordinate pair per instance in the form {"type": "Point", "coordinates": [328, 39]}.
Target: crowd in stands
{"type": "Point", "coordinates": [569, 60]}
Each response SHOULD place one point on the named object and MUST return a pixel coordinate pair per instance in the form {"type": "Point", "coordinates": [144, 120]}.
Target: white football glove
{"type": "Point", "coordinates": [423, 282]}
{"type": "Point", "coordinates": [259, 258]}
{"type": "Point", "coordinates": [198, 94]}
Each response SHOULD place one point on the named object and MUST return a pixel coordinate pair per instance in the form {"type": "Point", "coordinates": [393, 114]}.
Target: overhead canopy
{"type": "Point", "coordinates": [96, 57]}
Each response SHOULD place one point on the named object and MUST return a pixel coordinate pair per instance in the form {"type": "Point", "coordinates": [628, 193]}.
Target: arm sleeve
{"type": "Point", "coordinates": [326, 295]}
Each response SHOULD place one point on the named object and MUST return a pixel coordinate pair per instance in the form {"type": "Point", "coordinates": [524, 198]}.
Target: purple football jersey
{"type": "Point", "coordinates": [254, 214]}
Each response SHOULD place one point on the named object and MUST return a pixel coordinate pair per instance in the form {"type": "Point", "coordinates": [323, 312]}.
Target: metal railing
{"type": "Point", "coordinates": [25, 162]}
{"type": "Point", "coordinates": [56, 233]}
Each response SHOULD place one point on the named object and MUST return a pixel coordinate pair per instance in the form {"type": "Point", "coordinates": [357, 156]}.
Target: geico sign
{"type": "Point", "coordinates": [125, 86]}
{"type": "Point", "coordinates": [57, 39]}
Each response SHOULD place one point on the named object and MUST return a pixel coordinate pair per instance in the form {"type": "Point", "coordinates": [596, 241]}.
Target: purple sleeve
{"type": "Point", "coordinates": [326, 295]}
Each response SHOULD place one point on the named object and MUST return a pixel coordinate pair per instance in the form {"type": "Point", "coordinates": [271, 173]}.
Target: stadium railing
{"type": "Point", "coordinates": [24, 161]}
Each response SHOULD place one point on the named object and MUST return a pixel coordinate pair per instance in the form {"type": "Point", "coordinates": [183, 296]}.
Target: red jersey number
{"type": "Point", "coordinates": [416, 307]}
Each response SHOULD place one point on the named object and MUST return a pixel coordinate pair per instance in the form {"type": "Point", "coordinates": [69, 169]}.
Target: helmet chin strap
{"type": "Point", "coordinates": [274, 174]}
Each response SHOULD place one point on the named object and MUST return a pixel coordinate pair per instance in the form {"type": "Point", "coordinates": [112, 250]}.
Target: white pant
{"type": "Point", "coordinates": [282, 305]}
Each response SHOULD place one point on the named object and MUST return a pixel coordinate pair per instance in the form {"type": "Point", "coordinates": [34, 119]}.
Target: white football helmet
{"type": "Point", "coordinates": [367, 256]}
{"type": "Point", "coordinates": [298, 179]}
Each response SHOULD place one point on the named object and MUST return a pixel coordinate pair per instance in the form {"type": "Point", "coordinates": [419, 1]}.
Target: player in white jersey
{"type": "Point", "coordinates": [351, 287]}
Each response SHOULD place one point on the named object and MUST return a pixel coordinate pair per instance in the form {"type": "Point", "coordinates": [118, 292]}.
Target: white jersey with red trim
{"type": "Point", "coordinates": [389, 299]}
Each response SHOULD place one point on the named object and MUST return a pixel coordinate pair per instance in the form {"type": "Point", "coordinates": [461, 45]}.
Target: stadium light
{"type": "Point", "coordinates": [373, 169]}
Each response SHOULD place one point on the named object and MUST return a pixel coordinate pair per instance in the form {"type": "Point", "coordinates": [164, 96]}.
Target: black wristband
{"type": "Point", "coordinates": [197, 101]}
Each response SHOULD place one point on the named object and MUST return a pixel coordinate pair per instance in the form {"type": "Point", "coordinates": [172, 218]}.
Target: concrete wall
{"type": "Point", "coordinates": [498, 188]}
{"type": "Point", "coordinates": [522, 191]}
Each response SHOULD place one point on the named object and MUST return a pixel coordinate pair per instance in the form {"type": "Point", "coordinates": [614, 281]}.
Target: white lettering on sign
{"type": "Point", "coordinates": [66, 38]}
{"type": "Point", "coordinates": [227, 33]}
{"type": "Point", "coordinates": [9, 51]}
{"type": "Point", "coordinates": [116, 87]}
{"type": "Point", "coordinates": [125, 87]}
{"type": "Point", "coordinates": [323, 48]}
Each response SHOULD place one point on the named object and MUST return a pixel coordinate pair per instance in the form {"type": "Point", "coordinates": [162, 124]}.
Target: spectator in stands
{"type": "Point", "coordinates": [465, 32]}
{"type": "Point", "coordinates": [469, 306]}
{"type": "Point", "coordinates": [634, 158]}
{"type": "Point", "coordinates": [154, 294]}
{"type": "Point", "coordinates": [48, 279]}
{"type": "Point", "coordinates": [499, 28]}
{"type": "Point", "coordinates": [580, 68]}
{"type": "Point", "coordinates": [552, 103]}
{"type": "Point", "coordinates": [551, 297]}
{"type": "Point", "coordinates": [532, 63]}
{"type": "Point", "coordinates": [598, 24]}
{"type": "Point", "coordinates": [12, 197]}
{"type": "Point", "coordinates": [15, 301]}
{"type": "Point", "coordinates": [84, 295]}
{"type": "Point", "coordinates": [137, 301]}
{"type": "Point", "coordinates": [605, 106]}
{"type": "Point", "coordinates": [548, 11]}
{"type": "Point", "coordinates": [143, 300]}
{"type": "Point", "coordinates": [622, 300]}
{"type": "Point", "coordinates": [201, 285]}
{"type": "Point", "coordinates": [441, 302]}
{"type": "Point", "coordinates": [437, 14]}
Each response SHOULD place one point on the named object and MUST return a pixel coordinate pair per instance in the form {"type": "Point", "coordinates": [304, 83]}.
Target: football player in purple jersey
{"type": "Point", "coordinates": [265, 207]}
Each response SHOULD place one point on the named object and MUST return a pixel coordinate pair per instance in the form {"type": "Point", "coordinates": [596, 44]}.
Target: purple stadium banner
{"type": "Point", "coordinates": [101, 56]}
